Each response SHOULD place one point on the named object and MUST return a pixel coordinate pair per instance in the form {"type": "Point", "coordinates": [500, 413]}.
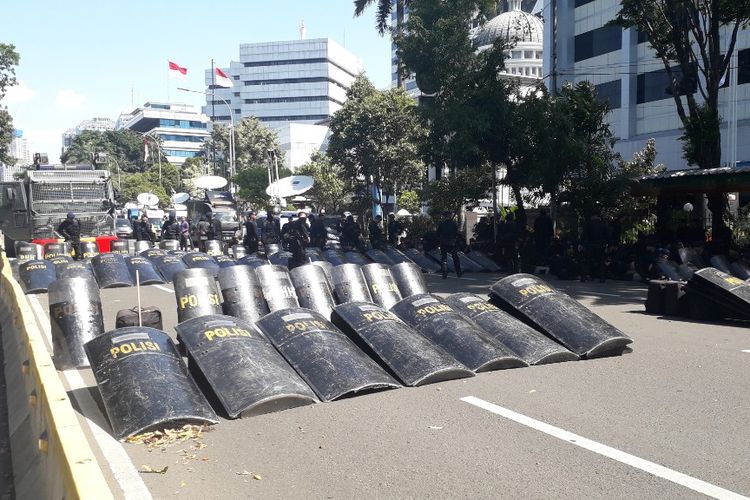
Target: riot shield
{"type": "Point", "coordinates": [253, 261]}
{"type": "Point", "coordinates": [243, 296]}
{"type": "Point", "coordinates": [177, 253]}
{"type": "Point", "coordinates": [396, 255]}
{"type": "Point", "coordinates": [119, 246]}
{"type": "Point", "coordinates": [143, 382]}
{"type": "Point", "coordinates": [409, 279]}
{"type": "Point", "coordinates": [28, 251]}
{"type": "Point", "coordinates": [313, 289]}
{"type": "Point", "coordinates": [89, 249]}
{"type": "Point", "coordinates": [241, 368]}
{"type": "Point", "coordinates": [152, 253]}
{"type": "Point", "coordinates": [468, 265]}
{"type": "Point", "coordinates": [326, 266]}
{"type": "Point", "coordinates": [214, 248]}
{"type": "Point", "coordinates": [740, 269]}
{"type": "Point", "coordinates": [169, 265]}
{"type": "Point", "coordinates": [729, 295]}
{"type": "Point", "coordinates": [111, 271]}
{"type": "Point", "coordinates": [169, 244]}
{"type": "Point", "coordinates": [435, 255]}
{"type": "Point", "coordinates": [36, 275]}
{"type": "Point", "coordinates": [239, 251]}
{"type": "Point", "coordinates": [558, 316]}
{"type": "Point", "coordinates": [423, 261]}
{"type": "Point", "coordinates": [142, 246]}
{"type": "Point", "coordinates": [532, 346]}
{"type": "Point", "coordinates": [356, 258]}
{"type": "Point", "coordinates": [379, 257]}
{"type": "Point", "coordinates": [481, 259]}
{"type": "Point", "coordinates": [271, 248]}
{"type": "Point", "coordinates": [721, 263]}
{"type": "Point", "coordinates": [349, 284]}
{"type": "Point", "coordinates": [324, 356]}
{"type": "Point", "coordinates": [335, 257]}
{"type": "Point", "coordinates": [277, 287]}
{"type": "Point", "coordinates": [403, 351]}
{"type": "Point", "coordinates": [75, 268]}
{"type": "Point", "coordinates": [198, 260]}
{"type": "Point", "coordinates": [383, 287]}
{"type": "Point", "coordinates": [280, 258]}
{"type": "Point", "coordinates": [61, 261]}
{"type": "Point", "coordinates": [75, 313]}
{"type": "Point", "coordinates": [196, 294]}
{"type": "Point", "coordinates": [52, 250]}
{"type": "Point", "coordinates": [313, 254]}
{"type": "Point", "coordinates": [461, 338]}
{"type": "Point", "coordinates": [147, 273]}
{"type": "Point", "coordinates": [224, 261]}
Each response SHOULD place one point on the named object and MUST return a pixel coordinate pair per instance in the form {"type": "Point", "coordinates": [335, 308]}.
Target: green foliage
{"type": "Point", "coordinates": [253, 141]}
{"type": "Point", "coordinates": [123, 147]}
{"type": "Point", "coordinates": [191, 170]}
{"type": "Point", "coordinates": [415, 228]}
{"type": "Point", "coordinates": [454, 191]}
{"type": "Point", "coordinates": [253, 182]}
{"type": "Point", "coordinates": [9, 59]}
{"type": "Point", "coordinates": [375, 138]}
{"type": "Point", "coordinates": [409, 200]}
{"type": "Point", "coordinates": [134, 184]}
{"type": "Point", "coordinates": [331, 191]}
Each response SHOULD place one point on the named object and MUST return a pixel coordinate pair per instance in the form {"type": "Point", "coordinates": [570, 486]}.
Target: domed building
{"type": "Point", "coordinates": [525, 33]}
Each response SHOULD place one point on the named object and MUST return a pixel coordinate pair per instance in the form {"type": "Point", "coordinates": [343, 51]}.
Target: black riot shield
{"type": "Point", "coordinates": [75, 268]}
{"type": "Point", "coordinates": [198, 260]}
{"type": "Point", "coordinates": [403, 351]}
{"type": "Point", "coordinates": [196, 294]}
{"type": "Point", "coordinates": [435, 256]}
{"type": "Point", "coordinates": [532, 346]}
{"type": "Point", "coordinates": [75, 313]}
{"type": "Point", "coordinates": [313, 289]}
{"type": "Point", "coordinates": [280, 258]}
{"type": "Point", "coordinates": [558, 316]}
{"type": "Point", "coordinates": [253, 260]}
{"type": "Point", "coordinates": [119, 246]}
{"type": "Point", "coordinates": [457, 335]}
{"type": "Point", "coordinates": [177, 253]}
{"type": "Point", "coordinates": [152, 253]}
{"type": "Point", "coordinates": [239, 251]}
{"type": "Point", "coordinates": [245, 373]}
{"type": "Point", "coordinates": [349, 284]}
{"type": "Point", "coordinates": [28, 251]}
{"type": "Point", "coordinates": [396, 255]}
{"type": "Point", "coordinates": [324, 356]}
{"type": "Point", "coordinates": [169, 265]}
{"type": "Point", "coordinates": [379, 257]}
{"type": "Point", "coordinates": [729, 295]}
{"type": "Point", "coordinates": [214, 248]}
{"type": "Point", "coordinates": [468, 265]}
{"type": "Point", "coordinates": [147, 273]}
{"type": "Point", "coordinates": [36, 275]}
{"type": "Point", "coordinates": [356, 258]}
{"type": "Point", "coordinates": [383, 287]}
{"type": "Point", "coordinates": [481, 259]}
{"type": "Point", "coordinates": [111, 271]}
{"type": "Point", "coordinates": [271, 248]}
{"type": "Point", "coordinates": [61, 261]}
{"type": "Point", "coordinates": [141, 246]}
{"type": "Point", "coordinates": [89, 249]}
{"type": "Point", "coordinates": [423, 261]}
{"type": "Point", "coordinates": [277, 286]}
{"type": "Point", "coordinates": [169, 244]}
{"type": "Point", "coordinates": [243, 295]}
{"type": "Point", "coordinates": [313, 254]}
{"type": "Point", "coordinates": [225, 261]}
{"type": "Point", "coordinates": [52, 250]}
{"type": "Point", "coordinates": [143, 382]}
{"type": "Point", "coordinates": [326, 266]}
{"type": "Point", "coordinates": [409, 279]}
{"type": "Point", "coordinates": [334, 256]}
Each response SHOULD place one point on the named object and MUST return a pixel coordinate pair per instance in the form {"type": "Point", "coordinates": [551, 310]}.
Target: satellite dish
{"type": "Point", "coordinates": [291, 186]}
{"type": "Point", "coordinates": [148, 199]}
{"type": "Point", "coordinates": [210, 182]}
{"type": "Point", "coordinates": [178, 198]}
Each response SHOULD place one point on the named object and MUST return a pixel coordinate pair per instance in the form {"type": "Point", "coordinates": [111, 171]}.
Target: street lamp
{"type": "Point", "coordinates": [213, 95]}
{"type": "Point", "coordinates": [158, 146]}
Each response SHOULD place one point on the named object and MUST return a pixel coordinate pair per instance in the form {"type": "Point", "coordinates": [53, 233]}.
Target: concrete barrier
{"type": "Point", "coordinates": [51, 456]}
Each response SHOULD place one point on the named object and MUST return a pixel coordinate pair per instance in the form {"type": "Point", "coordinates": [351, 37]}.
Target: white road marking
{"type": "Point", "coordinates": [746, 350]}
{"type": "Point", "coordinates": [599, 293]}
{"type": "Point", "coordinates": [123, 470]}
{"type": "Point", "coordinates": [164, 289]}
{"type": "Point", "coordinates": [609, 452]}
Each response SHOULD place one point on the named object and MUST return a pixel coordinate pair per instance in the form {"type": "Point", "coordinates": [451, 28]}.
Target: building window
{"type": "Point", "coordinates": [164, 122]}
{"type": "Point", "coordinates": [280, 81]}
{"type": "Point", "coordinates": [313, 98]}
{"type": "Point", "coordinates": [597, 42]}
{"type": "Point", "coordinates": [743, 59]}
{"type": "Point", "coordinates": [292, 118]}
{"type": "Point", "coordinates": [287, 62]}
{"type": "Point", "coordinates": [180, 138]}
{"type": "Point", "coordinates": [580, 3]}
{"type": "Point", "coordinates": [656, 85]}
{"type": "Point", "coordinates": [180, 153]}
{"type": "Point", "coordinates": [610, 93]}
{"type": "Point", "coordinates": [642, 37]}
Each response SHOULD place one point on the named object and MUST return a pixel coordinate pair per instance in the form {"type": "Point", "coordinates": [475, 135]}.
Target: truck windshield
{"type": "Point", "coordinates": [229, 216]}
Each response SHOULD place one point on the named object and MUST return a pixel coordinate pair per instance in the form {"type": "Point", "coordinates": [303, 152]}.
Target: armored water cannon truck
{"type": "Point", "coordinates": [216, 204]}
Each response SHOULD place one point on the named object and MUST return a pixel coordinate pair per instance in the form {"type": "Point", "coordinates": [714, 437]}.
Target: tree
{"type": "Point", "coordinates": [409, 200]}
{"type": "Point", "coordinates": [454, 192]}
{"type": "Point", "coordinates": [253, 182]}
{"type": "Point", "coordinates": [135, 184]}
{"type": "Point", "coordinates": [253, 141]}
{"type": "Point", "coordinates": [9, 59]}
{"type": "Point", "coordinates": [124, 147]}
{"type": "Point", "coordinates": [687, 37]}
{"type": "Point", "coordinates": [191, 170]}
{"type": "Point", "coordinates": [376, 138]}
{"type": "Point", "coordinates": [331, 191]}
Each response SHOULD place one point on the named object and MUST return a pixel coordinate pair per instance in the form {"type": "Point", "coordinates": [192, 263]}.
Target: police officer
{"type": "Point", "coordinates": [298, 237]}
{"type": "Point", "coordinates": [395, 228]}
{"type": "Point", "coordinates": [376, 232]}
{"type": "Point", "coordinates": [447, 233]}
{"type": "Point", "coordinates": [203, 229]}
{"type": "Point", "coordinates": [142, 230]}
{"type": "Point", "coordinates": [170, 230]}
{"type": "Point", "coordinates": [350, 233]}
{"type": "Point", "coordinates": [215, 232]}
{"type": "Point", "coordinates": [70, 229]}
{"type": "Point", "coordinates": [250, 240]}
{"type": "Point", "coordinates": [271, 230]}
{"type": "Point", "coordinates": [318, 231]}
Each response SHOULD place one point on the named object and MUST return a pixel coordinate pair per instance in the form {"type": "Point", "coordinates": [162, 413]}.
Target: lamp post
{"type": "Point", "coordinates": [213, 95]}
{"type": "Point", "coordinates": [158, 146]}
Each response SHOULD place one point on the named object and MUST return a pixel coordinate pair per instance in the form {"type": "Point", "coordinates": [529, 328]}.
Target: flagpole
{"type": "Point", "coordinates": [168, 82]}
{"type": "Point", "coordinates": [213, 111]}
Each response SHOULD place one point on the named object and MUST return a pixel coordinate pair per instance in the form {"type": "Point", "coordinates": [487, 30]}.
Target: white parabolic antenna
{"type": "Point", "coordinates": [291, 186]}
{"type": "Point", "coordinates": [148, 199]}
{"type": "Point", "coordinates": [210, 182]}
{"type": "Point", "coordinates": [178, 198]}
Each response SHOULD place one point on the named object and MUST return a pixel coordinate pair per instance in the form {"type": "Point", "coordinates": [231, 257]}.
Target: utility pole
{"type": "Point", "coordinates": [213, 114]}
{"type": "Point", "coordinates": [553, 58]}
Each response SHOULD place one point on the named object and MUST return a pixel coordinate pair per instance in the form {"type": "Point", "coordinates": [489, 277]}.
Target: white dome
{"type": "Point", "coordinates": [514, 26]}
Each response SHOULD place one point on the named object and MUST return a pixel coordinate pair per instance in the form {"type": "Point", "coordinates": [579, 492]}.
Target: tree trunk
{"type": "Point", "coordinates": [521, 215]}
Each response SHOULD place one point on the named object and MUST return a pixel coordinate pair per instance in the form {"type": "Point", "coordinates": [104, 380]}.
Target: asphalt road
{"type": "Point", "coordinates": [667, 420]}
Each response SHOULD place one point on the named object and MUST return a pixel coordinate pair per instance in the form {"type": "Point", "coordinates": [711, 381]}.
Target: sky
{"type": "Point", "coordinates": [82, 59]}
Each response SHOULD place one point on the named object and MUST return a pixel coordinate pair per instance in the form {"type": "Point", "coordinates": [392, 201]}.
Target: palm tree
{"type": "Point", "coordinates": [385, 7]}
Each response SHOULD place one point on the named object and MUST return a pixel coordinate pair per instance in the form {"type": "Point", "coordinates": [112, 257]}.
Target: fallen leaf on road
{"type": "Point", "coordinates": [145, 469]}
{"type": "Point", "coordinates": [532, 391]}
{"type": "Point", "coordinates": [243, 473]}
{"type": "Point", "coordinates": [435, 428]}
{"type": "Point", "coordinates": [257, 477]}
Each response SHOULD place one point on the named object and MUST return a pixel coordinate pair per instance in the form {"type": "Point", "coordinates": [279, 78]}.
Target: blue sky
{"type": "Point", "coordinates": [81, 58]}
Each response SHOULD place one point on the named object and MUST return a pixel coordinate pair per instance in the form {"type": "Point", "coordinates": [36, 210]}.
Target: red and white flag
{"type": "Point", "coordinates": [221, 79]}
{"type": "Point", "coordinates": [177, 71]}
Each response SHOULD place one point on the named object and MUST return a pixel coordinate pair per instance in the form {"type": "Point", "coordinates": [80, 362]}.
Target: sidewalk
{"type": "Point", "coordinates": [6, 470]}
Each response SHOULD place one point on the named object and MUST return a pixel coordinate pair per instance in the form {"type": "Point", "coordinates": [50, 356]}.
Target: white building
{"type": "Point", "coordinates": [299, 141]}
{"type": "Point", "coordinates": [19, 149]}
{"type": "Point", "coordinates": [180, 127]}
{"type": "Point", "coordinates": [628, 75]}
{"type": "Point", "coordinates": [95, 124]}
